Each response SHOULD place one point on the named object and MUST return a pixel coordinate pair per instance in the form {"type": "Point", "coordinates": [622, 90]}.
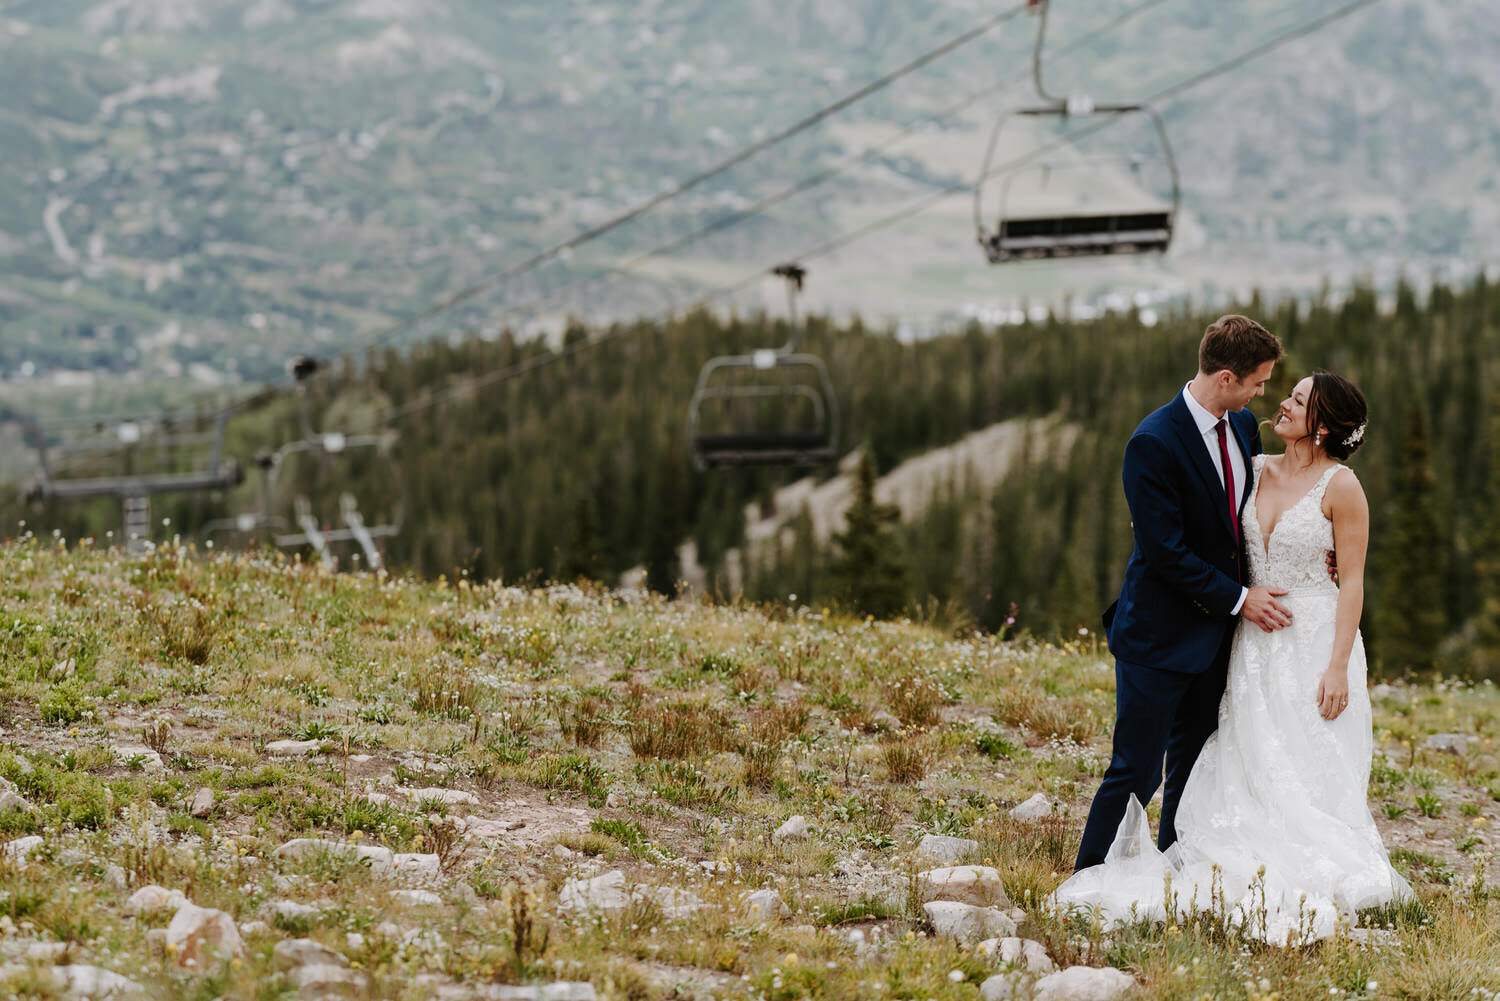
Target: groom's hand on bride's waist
{"type": "Point", "coordinates": [1262, 608]}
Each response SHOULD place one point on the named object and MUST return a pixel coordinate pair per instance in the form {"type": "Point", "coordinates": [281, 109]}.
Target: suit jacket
{"type": "Point", "coordinates": [1175, 609]}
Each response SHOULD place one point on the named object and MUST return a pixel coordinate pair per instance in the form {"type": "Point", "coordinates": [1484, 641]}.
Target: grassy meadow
{"type": "Point", "coordinates": [527, 737]}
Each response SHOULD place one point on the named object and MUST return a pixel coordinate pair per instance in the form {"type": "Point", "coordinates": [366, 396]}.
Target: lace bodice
{"type": "Point", "coordinates": [1299, 543]}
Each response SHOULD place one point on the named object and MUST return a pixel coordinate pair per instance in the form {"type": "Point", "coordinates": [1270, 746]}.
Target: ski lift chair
{"type": "Point", "coordinates": [1059, 231]}
{"type": "Point", "coordinates": [772, 407]}
{"type": "Point", "coordinates": [327, 447]}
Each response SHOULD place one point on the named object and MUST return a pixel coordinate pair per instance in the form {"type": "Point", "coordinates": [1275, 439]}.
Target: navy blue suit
{"type": "Point", "coordinates": [1171, 628]}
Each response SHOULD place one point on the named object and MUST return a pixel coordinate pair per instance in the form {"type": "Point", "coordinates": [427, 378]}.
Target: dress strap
{"type": "Point", "coordinates": [1324, 480]}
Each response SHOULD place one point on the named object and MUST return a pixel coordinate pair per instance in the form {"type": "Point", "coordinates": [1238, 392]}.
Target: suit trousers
{"type": "Point", "coordinates": [1158, 715]}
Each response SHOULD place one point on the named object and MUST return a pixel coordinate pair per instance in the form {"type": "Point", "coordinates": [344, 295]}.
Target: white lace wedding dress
{"type": "Point", "coordinates": [1274, 827]}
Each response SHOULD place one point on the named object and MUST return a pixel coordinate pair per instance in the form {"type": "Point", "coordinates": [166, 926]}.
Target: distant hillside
{"type": "Point", "coordinates": [193, 191]}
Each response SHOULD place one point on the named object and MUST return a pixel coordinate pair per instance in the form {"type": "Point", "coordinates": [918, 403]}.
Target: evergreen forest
{"type": "Point", "coordinates": [524, 460]}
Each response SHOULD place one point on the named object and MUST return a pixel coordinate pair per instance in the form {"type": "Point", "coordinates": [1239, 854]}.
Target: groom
{"type": "Point", "coordinates": [1187, 475]}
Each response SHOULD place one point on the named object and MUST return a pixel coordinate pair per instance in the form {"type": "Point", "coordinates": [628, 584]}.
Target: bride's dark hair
{"type": "Point", "coordinates": [1336, 405]}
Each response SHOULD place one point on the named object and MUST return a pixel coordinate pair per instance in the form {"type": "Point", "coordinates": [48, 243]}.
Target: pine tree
{"type": "Point", "coordinates": [1412, 618]}
{"type": "Point", "coordinates": [1487, 565]}
{"type": "Point", "coordinates": [869, 574]}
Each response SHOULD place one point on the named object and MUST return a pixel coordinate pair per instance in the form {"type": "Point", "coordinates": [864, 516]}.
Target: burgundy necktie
{"type": "Point", "coordinates": [1228, 478]}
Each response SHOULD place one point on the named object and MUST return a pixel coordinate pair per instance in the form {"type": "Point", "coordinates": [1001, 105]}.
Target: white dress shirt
{"type": "Point", "coordinates": [1208, 427]}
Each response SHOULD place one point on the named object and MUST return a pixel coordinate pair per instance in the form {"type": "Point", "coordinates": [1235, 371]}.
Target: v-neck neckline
{"type": "Point", "coordinates": [1265, 536]}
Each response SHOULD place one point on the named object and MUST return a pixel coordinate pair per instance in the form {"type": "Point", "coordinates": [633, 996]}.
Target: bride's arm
{"type": "Point", "coordinates": [1350, 513]}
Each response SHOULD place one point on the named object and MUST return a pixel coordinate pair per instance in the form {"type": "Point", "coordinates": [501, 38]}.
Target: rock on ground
{"type": "Point", "coordinates": [969, 884]}
{"type": "Point", "coordinates": [941, 848]}
{"type": "Point", "coordinates": [1005, 986]}
{"type": "Point", "coordinates": [416, 898]}
{"type": "Point", "coordinates": [764, 906]}
{"type": "Point", "coordinates": [1083, 983]}
{"type": "Point", "coordinates": [201, 933]}
{"type": "Point", "coordinates": [1038, 807]}
{"type": "Point", "coordinates": [1023, 952]}
{"type": "Point", "coordinates": [448, 797]}
{"type": "Point", "coordinates": [795, 829]}
{"type": "Point", "coordinates": [381, 860]}
{"type": "Point", "coordinates": [203, 803]}
{"type": "Point", "coordinates": [293, 748]}
{"type": "Point", "coordinates": [148, 758]}
{"type": "Point", "coordinates": [604, 893]}
{"type": "Point", "coordinates": [95, 983]}
{"type": "Point", "coordinates": [1449, 743]}
{"type": "Point", "coordinates": [151, 899]}
{"type": "Point", "coordinates": [20, 849]}
{"type": "Point", "coordinates": [966, 922]}
{"type": "Point", "coordinates": [294, 952]}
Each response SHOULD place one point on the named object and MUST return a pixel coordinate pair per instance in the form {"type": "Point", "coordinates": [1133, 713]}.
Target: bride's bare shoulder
{"type": "Point", "coordinates": [1344, 494]}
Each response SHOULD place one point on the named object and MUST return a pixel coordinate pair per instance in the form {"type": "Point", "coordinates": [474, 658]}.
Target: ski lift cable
{"type": "Point", "coordinates": [627, 268]}
{"type": "Point", "coordinates": [680, 188]}
{"type": "Point", "coordinates": [1219, 69]}
{"type": "Point", "coordinates": [1165, 94]}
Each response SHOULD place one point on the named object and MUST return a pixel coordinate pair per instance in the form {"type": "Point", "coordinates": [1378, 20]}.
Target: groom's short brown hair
{"type": "Point", "coordinates": [1237, 343]}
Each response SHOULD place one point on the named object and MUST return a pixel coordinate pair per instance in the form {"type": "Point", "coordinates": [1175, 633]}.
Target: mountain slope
{"type": "Point", "coordinates": [194, 191]}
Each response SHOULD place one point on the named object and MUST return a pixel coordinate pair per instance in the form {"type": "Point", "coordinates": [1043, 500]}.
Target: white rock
{"type": "Point", "coordinates": [293, 748]}
{"type": "Point", "coordinates": [969, 884]}
{"type": "Point", "coordinates": [148, 758]}
{"type": "Point", "coordinates": [561, 851]}
{"type": "Point", "coordinates": [795, 829]}
{"type": "Point", "coordinates": [568, 991]}
{"type": "Point", "coordinates": [966, 922]}
{"type": "Point", "coordinates": [252, 928]}
{"type": "Point", "coordinates": [605, 894]}
{"type": "Point", "coordinates": [378, 798]}
{"type": "Point", "coordinates": [946, 850]}
{"type": "Point", "coordinates": [322, 980]}
{"type": "Point", "coordinates": [95, 983]}
{"type": "Point", "coordinates": [1448, 743]}
{"type": "Point", "coordinates": [202, 933]}
{"type": "Point", "coordinates": [483, 829]}
{"type": "Point", "coordinates": [448, 797]}
{"type": "Point", "coordinates": [288, 911]}
{"type": "Point", "coordinates": [416, 898]}
{"type": "Point", "coordinates": [46, 951]}
{"type": "Point", "coordinates": [115, 876]}
{"type": "Point", "coordinates": [764, 906]}
{"type": "Point", "coordinates": [1083, 983]}
{"type": "Point", "coordinates": [674, 903]}
{"type": "Point", "coordinates": [1037, 807]}
{"type": "Point", "coordinates": [380, 860]}
{"type": "Point", "coordinates": [12, 800]}
{"type": "Point", "coordinates": [613, 801]}
{"type": "Point", "coordinates": [203, 802]}
{"type": "Point", "coordinates": [1016, 914]}
{"type": "Point", "coordinates": [356, 940]}
{"type": "Point", "coordinates": [21, 848]}
{"type": "Point", "coordinates": [1023, 952]}
{"type": "Point", "coordinates": [153, 899]}
{"type": "Point", "coordinates": [418, 863]}
{"type": "Point", "coordinates": [1005, 986]}
{"type": "Point", "coordinates": [295, 952]}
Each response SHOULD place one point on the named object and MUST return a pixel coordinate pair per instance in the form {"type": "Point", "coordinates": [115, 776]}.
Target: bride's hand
{"type": "Point", "coordinates": [1333, 692]}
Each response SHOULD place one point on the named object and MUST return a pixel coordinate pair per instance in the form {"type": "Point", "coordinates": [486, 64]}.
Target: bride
{"type": "Point", "coordinates": [1274, 829]}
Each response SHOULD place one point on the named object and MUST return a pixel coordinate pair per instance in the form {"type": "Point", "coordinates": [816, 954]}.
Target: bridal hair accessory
{"type": "Point", "coordinates": [1355, 437]}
